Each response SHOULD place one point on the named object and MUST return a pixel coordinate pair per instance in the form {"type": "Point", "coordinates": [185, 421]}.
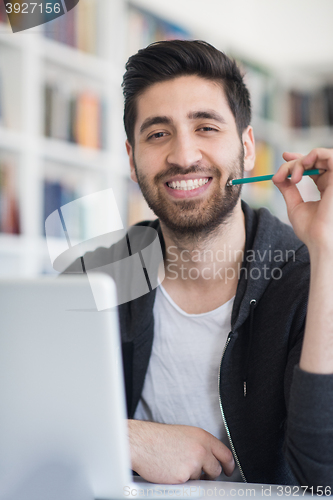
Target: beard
{"type": "Point", "coordinates": [193, 217]}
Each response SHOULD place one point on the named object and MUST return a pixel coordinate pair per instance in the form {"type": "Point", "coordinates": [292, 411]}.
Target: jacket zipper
{"type": "Point", "coordinates": [223, 416]}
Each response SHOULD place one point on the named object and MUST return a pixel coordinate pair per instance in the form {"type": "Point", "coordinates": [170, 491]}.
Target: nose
{"type": "Point", "coordinates": [184, 151]}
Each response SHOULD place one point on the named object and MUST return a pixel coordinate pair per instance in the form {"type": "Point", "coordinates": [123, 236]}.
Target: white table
{"type": "Point", "coordinates": [220, 489]}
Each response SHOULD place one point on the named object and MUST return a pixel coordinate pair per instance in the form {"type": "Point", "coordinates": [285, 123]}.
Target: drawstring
{"type": "Point", "coordinates": [253, 304]}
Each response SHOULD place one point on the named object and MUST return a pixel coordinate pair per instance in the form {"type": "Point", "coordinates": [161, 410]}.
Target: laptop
{"type": "Point", "coordinates": [63, 432]}
{"type": "Point", "coordinates": [63, 428]}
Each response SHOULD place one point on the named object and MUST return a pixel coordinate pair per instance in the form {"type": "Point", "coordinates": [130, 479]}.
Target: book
{"type": "Point", "coordinates": [3, 14]}
{"type": "Point", "coordinates": [317, 109]}
{"type": "Point", "coordinates": [86, 33]}
{"type": "Point", "coordinates": [9, 210]}
{"type": "Point", "coordinates": [103, 125]}
{"type": "Point", "coordinates": [1, 101]}
{"type": "Point", "coordinates": [311, 109]}
{"type": "Point", "coordinates": [62, 186]}
{"type": "Point", "coordinates": [52, 202]}
{"type": "Point", "coordinates": [58, 193]}
{"type": "Point", "coordinates": [328, 96]}
{"type": "Point", "coordinates": [145, 28]}
{"type": "Point", "coordinates": [87, 120]}
{"type": "Point", "coordinates": [75, 117]}
{"type": "Point", "coordinates": [76, 28]}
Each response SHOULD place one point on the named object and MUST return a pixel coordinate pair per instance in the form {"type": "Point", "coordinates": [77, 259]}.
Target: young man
{"type": "Point", "coordinates": [229, 363]}
{"type": "Point", "coordinates": [187, 119]}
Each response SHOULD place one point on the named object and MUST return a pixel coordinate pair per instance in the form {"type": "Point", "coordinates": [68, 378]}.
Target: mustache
{"type": "Point", "coordinates": [194, 169]}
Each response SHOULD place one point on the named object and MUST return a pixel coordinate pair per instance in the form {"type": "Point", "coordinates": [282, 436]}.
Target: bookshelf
{"type": "Point", "coordinates": [291, 112]}
{"type": "Point", "coordinates": [60, 124]}
{"type": "Point", "coordinates": [75, 65]}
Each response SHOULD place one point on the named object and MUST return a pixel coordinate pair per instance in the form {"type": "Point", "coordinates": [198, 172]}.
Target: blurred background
{"type": "Point", "coordinates": [61, 130]}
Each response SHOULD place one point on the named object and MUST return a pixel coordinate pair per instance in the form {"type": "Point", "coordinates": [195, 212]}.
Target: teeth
{"type": "Point", "coordinates": [188, 185]}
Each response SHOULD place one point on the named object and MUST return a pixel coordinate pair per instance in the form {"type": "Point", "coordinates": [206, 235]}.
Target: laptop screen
{"type": "Point", "coordinates": [62, 412]}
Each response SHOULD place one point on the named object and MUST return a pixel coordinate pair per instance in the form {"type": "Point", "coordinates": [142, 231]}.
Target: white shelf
{"type": "Point", "coordinates": [269, 130]}
{"type": "Point", "coordinates": [12, 140]}
{"type": "Point", "coordinates": [79, 62]}
{"type": "Point", "coordinates": [12, 243]}
{"type": "Point", "coordinates": [318, 135]}
{"type": "Point", "coordinates": [73, 154]}
{"type": "Point", "coordinates": [28, 59]}
{"type": "Point", "coordinates": [276, 133]}
{"type": "Point", "coordinates": [7, 37]}
{"type": "Point", "coordinates": [60, 54]}
{"type": "Point", "coordinates": [23, 256]}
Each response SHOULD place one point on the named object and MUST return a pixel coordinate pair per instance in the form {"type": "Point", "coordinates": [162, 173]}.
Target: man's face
{"type": "Point", "coordinates": [186, 149]}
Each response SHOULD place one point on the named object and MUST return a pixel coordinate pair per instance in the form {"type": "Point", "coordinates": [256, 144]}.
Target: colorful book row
{"type": "Point", "coordinates": [79, 118]}
{"type": "Point", "coordinates": [311, 109]}
{"type": "Point", "coordinates": [77, 28]}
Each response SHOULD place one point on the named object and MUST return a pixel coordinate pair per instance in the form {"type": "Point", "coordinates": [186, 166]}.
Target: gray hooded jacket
{"type": "Point", "coordinates": [279, 419]}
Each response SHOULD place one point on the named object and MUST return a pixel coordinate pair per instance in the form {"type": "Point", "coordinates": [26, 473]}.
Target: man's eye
{"type": "Point", "coordinates": [207, 129]}
{"type": "Point", "coordinates": [157, 135]}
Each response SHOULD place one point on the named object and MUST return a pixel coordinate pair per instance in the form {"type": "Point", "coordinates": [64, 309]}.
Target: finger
{"type": "Point", "coordinates": [212, 469]}
{"type": "Point", "coordinates": [228, 468]}
{"type": "Point", "coordinates": [224, 456]}
{"type": "Point", "coordinates": [294, 168]}
{"type": "Point", "coordinates": [319, 157]}
{"type": "Point", "coordinates": [283, 172]}
{"type": "Point", "coordinates": [291, 156]}
{"type": "Point", "coordinates": [290, 194]}
{"type": "Point", "coordinates": [197, 474]}
{"type": "Point", "coordinates": [297, 172]}
{"type": "Point", "coordinates": [322, 159]}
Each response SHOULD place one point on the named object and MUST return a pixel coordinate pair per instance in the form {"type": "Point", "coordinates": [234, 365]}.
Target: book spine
{"type": "Point", "coordinates": [328, 93]}
{"type": "Point", "coordinates": [76, 28]}
{"type": "Point", "coordinates": [79, 119]}
{"type": "Point", "coordinates": [1, 101]}
{"type": "Point", "coordinates": [3, 14]}
{"type": "Point", "coordinates": [9, 212]}
{"type": "Point", "coordinates": [58, 194]}
{"type": "Point", "coordinates": [52, 202]}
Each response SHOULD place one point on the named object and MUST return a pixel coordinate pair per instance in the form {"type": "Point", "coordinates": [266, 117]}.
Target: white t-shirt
{"type": "Point", "coordinates": [181, 384]}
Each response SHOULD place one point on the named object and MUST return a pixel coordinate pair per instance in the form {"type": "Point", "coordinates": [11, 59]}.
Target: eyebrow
{"type": "Point", "coordinates": [207, 115]}
{"type": "Point", "coordinates": [155, 120]}
{"type": "Point", "coordinates": [193, 115]}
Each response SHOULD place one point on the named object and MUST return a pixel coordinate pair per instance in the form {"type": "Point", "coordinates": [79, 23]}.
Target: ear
{"type": "Point", "coordinates": [130, 152]}
{"type": "Point", "coordinates": [249, 149]}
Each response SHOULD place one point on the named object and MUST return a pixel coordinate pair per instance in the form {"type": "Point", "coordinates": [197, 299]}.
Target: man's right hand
{"type": "Point", "coordinates": [173, 454]}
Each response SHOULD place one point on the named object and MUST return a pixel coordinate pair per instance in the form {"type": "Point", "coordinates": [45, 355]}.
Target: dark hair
{"type": "Point", "coordinates": [165, 60]}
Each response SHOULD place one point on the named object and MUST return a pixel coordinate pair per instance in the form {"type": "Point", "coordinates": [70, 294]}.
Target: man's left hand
{"type": "Point", "coordinates": [313, 220]}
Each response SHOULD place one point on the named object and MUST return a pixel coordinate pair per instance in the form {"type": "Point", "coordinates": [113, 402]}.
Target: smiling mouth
{"type": "Point", "coordinates": [188, 185]}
